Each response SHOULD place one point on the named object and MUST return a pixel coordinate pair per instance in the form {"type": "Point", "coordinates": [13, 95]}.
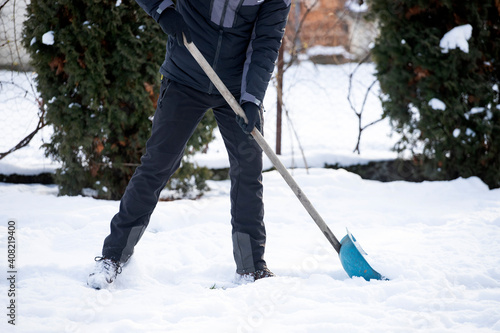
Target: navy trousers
{"type": "Point", "coordinates": [179, 110]}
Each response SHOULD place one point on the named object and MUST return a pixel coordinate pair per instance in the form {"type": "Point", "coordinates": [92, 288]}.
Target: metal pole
{"type": "Point", "coordinates": [279, 108]}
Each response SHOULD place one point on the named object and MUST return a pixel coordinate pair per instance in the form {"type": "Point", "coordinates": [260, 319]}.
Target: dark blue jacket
{"type": "Point", "coordinates": [239, 38]}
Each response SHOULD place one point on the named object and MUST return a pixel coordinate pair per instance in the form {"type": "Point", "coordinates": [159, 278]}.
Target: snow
{"type": "Point", "coordinates": [476, 110]}
{"type": "Point", "coordinates": [456, 38]}
{"type": "Point", "coordinates": [328, 50]}
{"type": "Point", "coordinates": [18, 118]}
{"type": "Point", "coordinates": [436, 241]}
{"type": "Point", "coordinates": [437, 104]}
{"type": "Point", "coordinates": [470, 132]}
{"type": "Point", "coordinates": [48, 38]}
{"type": "Point", "coordinates": [354, 6]}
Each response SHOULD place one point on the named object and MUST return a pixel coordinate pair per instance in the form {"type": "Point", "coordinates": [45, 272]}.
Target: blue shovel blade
{"type": "Point", "coordinates": [353, 259]}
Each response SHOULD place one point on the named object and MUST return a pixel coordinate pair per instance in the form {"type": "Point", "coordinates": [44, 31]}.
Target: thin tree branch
{"type": "Point", "coordinates": [3, 5]}
{"type": "Point", "coordinates": [293, 51]}
{"type": "Point", "coordinates": [360, 113]}
{"type": "Point", "coordinates": [297, 138]}
{"type": "Point", "coordinates": [24, 142]}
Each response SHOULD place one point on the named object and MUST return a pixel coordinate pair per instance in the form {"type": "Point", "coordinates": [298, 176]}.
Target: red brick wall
{"type": "Point", "coordinates": [322, 25]}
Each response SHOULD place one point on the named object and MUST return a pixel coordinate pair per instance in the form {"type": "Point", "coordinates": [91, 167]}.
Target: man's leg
{"type": "Point", "coordinates": [247, 207]}
{"type": "Point", "coordinates": [178, 112]}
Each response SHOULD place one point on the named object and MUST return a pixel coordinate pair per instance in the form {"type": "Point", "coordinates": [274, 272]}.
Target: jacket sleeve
{"type": "Point", "coordinates": [263, 49]}
{"type": "Point", "coordinates": [155, 7]}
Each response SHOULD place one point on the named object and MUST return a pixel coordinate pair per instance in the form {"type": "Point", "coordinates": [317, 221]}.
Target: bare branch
{"type": "Point", "coordinates": [3, 5]}
{"type": "Point", "coordinates": [296, 137]}
{"type": "Point", "coordinates": [366, 95]}
{"type": "Point", "coordinates": [293, 51]}
{"type": "Point", "coordinates": [24, 142]}
{"type": "Point", "coordinates": [360, 113]}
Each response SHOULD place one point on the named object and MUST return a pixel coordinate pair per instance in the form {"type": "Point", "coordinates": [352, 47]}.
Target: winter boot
{"type": "Point", "coordinates": [257, 275]}
{"type": "Point", "coordinates": [105, 272]}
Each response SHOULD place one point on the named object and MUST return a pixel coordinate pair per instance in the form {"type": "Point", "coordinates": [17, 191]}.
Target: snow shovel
{"type": "Point", "coordinates": [351, 255]}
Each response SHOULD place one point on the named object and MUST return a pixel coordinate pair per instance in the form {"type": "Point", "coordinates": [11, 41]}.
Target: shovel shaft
{"type": "Point", "coordinates": [200, 59]}
{"type": "Point", "coordinates": [263, 144]}
{"type": "Point", "coordinates": [296, 189]}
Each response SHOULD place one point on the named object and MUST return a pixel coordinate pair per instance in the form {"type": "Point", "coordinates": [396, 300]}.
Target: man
{"type": "Point", "coordinates": [240, 39]}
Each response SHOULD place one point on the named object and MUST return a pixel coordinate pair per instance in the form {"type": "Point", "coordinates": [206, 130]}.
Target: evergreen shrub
{"type": "Point", "coordinates": [97, 73]}
{"type": "Point", "coordinates": [444, 103]}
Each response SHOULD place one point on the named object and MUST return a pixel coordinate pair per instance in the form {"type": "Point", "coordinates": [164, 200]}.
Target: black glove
{"type": "Point", "coordinates": [173, 24]}
{"type": "Point", "coordinates": [252, 112]}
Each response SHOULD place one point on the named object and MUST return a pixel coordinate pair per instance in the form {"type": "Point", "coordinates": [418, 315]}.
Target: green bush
{"type": "Point", "coordinates": [97, 72]}
{"type": "Point", "coordinates": [461, 135]}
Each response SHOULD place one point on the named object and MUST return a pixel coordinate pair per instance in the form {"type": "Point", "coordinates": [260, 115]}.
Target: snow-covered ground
{"type": "Point", "coordinates": [436, 241]}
